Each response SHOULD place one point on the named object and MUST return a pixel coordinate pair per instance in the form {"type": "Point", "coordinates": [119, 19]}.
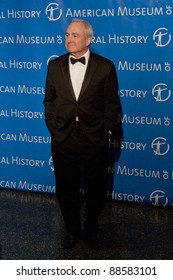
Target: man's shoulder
{"type": "Point", "coordinates": [100, 58]}
{"type": "Point", "coordinates": [59, 59]}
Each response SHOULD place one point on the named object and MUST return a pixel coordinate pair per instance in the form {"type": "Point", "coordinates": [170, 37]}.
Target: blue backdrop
{"type": "Point", "coordinates": [137, 36]}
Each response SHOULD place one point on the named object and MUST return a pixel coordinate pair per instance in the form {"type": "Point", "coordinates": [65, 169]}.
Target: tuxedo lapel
{"type": "Point", "coordinates": [66, 74]}
{"type": "Point", "coordinates": [92, 64]}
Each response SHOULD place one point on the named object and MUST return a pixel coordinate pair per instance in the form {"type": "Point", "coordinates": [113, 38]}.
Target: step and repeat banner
{"type": "Point", "coordinates": [138, 36]}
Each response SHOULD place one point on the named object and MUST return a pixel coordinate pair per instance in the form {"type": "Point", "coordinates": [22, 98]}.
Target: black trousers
{"type": "Point", "coordinates": [74, 159]}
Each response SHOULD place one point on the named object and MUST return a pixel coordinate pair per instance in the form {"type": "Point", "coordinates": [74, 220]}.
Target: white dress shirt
{"type": "Point", "coordinates": [77, 73]}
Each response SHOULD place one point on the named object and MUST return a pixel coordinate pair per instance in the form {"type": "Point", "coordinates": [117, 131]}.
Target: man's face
{"type": "Point", "coordinates": [76, 42]}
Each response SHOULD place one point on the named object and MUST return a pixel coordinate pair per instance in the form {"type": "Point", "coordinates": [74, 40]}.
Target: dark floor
{"type": "Point", "coordinates": [31, 228]}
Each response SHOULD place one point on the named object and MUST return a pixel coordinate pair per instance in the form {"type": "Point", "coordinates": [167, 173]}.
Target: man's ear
{"type": "Point", "coordinates": [89, 40]}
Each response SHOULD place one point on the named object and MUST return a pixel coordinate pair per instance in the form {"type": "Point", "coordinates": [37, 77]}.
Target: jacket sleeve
{"type": "Point", "coordinates": [50, 96]}
{"type": "Point", "coordinates": [112, 101]}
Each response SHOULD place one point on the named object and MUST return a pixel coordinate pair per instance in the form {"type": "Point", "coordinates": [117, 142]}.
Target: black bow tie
{"type": "Point", "coordinates": [74, 60]}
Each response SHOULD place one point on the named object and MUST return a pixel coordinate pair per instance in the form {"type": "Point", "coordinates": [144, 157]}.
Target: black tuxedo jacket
{"type": "Point", "coordinates": [98, 105]}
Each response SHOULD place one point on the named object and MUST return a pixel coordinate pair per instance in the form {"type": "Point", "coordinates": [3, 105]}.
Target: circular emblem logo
{"type": "Point", "coordinates": [53, 12]}
{"type": "Point", "coordinates": [158, 198]}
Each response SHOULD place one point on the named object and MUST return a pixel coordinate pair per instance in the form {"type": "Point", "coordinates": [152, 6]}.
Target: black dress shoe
{"type": "Point", "coordinates": [94, 242]}
{"type": "Point", "coordinates": [70, 241]}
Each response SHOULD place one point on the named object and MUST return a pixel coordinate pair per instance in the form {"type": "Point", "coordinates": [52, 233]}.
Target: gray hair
{"type": "Point", "coordinates": [88, 28]}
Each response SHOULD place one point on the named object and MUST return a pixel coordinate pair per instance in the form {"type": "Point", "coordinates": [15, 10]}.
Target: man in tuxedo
{"type": "Point", "coordinates": [81, 110]}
